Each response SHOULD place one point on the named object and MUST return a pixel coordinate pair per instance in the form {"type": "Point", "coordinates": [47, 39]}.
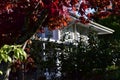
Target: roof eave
{"type": "Point", "coordinates": [102, 29]}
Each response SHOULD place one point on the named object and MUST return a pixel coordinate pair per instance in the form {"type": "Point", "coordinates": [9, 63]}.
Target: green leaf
{"type": "Point", "coordinates": [16, 53]}
{"type": "Point", "coordinates": [0, 58]}
{"type": "Point", "coordinates": [5, 46]}
{"type": "Point", "coordinates": [4, 57]}
{"type": "Point", "coordinates": [9, 59]}
{"type": "Point", "coordinates": [24, 54]}
{"type": "Point", "coordinates": [1, 73]}
{"type": "Point", "coordinates": [21, 58]}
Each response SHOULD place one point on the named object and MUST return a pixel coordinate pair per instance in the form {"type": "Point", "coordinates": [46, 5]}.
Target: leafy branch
{"type": "Point", "coordinates": [9, 53]}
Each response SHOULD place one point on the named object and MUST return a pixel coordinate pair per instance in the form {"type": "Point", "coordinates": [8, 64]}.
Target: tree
{"type": "Point", "coordinates": [20, 19]}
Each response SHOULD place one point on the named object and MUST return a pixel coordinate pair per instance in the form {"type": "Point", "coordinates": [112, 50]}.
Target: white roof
{"type": "Point", "coordinates": [100, 29]}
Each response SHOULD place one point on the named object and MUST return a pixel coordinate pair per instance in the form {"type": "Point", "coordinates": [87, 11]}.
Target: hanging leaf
{"type": "Point", "coordinates": [9, 59]}
{"type": "Point", "coordinates": [4, 57]}
{"type": "Point", "coordinates": [1, 72]}
{"type": "Point", "coordinates": [16, 54]}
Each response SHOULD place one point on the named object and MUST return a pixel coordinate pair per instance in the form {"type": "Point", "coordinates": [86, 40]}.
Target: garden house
{"type": "Point", "coordinates": [74, 31]}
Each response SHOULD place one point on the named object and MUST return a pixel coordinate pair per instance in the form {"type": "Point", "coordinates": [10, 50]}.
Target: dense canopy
{"type": "Point", "coordinates": [22, 18]}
